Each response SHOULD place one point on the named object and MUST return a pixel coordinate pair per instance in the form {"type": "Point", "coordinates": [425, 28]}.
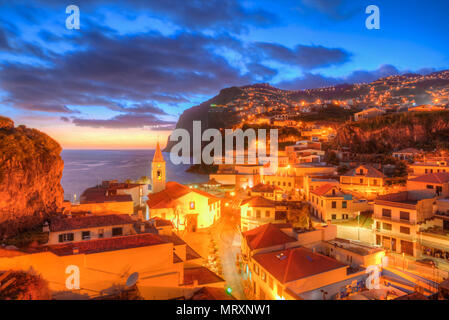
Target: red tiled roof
{"type": "Point", "coordinates": [295, 264]}
{"type": "Point", "coordinates": [173, 191]}
{"type": "Point", "coordinates": [258, 202]}
{"type": "Point", "coordinates": [323, 189]}
{"type": "Point", "coordinates": [369, 172]}
{"type": "Point", "coordinates": [202, 274]}
{"type": "Point", "coordinates": [85, 222]}
{"type": "Point", "coordinates": [108, 244]}
{"type": "Point", "coordinates": [438, 178]}
{"type": "Point", "coordinates": [265, 236]}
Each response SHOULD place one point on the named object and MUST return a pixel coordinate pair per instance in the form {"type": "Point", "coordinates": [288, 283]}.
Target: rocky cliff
{"type": "Point", "coordinates": [30, 174]}
{"type": "Point", "coordinates": [427, 130]}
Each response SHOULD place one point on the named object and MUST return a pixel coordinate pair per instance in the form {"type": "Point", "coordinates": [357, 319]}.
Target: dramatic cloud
{"type": "Point", "coordinates": [307, 57]}
{"type": "Point", "coordinates": [126, 121]}
{"type": "Point", "coordinates": [229, 15]}
{"type": "Point", "coordinates": [134, 68]}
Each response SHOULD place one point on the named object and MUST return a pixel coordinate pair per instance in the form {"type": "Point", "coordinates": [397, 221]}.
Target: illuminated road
{"type": "Point", "coordinates": [227, 237]}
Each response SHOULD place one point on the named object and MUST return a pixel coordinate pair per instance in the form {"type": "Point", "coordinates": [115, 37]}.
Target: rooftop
{"type": "Point", "coordinates": [258, 202]}
{"type": "Point", "coordinates": [265, 236]}
{"type": "Point", "coordinates": [368, 171]}
{"type": "Point", "coordinates": [294, 264]}
{"type": "Point", "coordinates": [358, 248]}
{"type": "Point", "coordinates": [437, 178]}
{"type": "Point", "coordinates": [86, 222]}
{"type": "Point", "coordinates": [202, 275]}
{"type": "Point", "coordinates": [173, 191]}
{"type": "Point", "coordinates": [108, 244]}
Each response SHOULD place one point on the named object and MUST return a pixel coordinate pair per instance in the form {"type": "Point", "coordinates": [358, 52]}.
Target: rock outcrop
{"type": "Point", "coordinates": [30, 174]}
{"type": "Point", "coordinates": [427, 130]}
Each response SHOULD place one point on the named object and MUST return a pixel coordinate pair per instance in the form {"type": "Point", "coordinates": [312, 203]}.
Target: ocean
{"type": "Point", "coordinates": [87, 168]}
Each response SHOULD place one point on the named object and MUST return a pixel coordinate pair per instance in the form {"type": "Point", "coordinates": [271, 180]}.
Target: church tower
{"type": "Point", "coordinates": [158, 171]}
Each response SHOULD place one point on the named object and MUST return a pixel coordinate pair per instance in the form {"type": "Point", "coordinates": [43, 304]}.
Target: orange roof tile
{"type": "Point", "coordinates": [173, 190]}
{"type": "Point", "coordinates": [202, 274]}
{"type": "Point", "coordinates": [323, 189]}
{"type": "Point", "coordinates": [369, 172]}
{"type": "Point", "coordinates": [265, 236]}
{"type": "Point", "coordinates": [107, 244]}
{"type": "Point", "coordinates": [439, 178]}
{"type": "Point", "coordinates": [258, 202]}
{"type": "Point", "coordinates": [85, 222]}
{"type": "Point", "coordinates": [297, 263]}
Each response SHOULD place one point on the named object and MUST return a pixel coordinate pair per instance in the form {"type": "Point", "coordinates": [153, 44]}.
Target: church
{"type": "Point", "coordinates": [187, 208]}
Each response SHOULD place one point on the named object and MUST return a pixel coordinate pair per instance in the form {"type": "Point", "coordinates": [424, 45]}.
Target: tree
{"type": "Point", "coordinates": [23, 286]}
{"type": "Point", "coordinates": [332, 158]}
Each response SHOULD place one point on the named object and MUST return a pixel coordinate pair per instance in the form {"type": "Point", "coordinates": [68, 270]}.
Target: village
{"type": "Point", "coordinates": [323, 225]}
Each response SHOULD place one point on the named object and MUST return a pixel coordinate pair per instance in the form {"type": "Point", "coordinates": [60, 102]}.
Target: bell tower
{"type": "Point", "coordinates": [158, 171]}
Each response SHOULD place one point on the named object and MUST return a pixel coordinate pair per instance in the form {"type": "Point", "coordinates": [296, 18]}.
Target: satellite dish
{"type": "Point", "coordinates": [132, 279]}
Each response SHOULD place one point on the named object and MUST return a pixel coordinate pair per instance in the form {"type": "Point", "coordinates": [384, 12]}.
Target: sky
{"type": "Point", "coordinates": [124, 77]}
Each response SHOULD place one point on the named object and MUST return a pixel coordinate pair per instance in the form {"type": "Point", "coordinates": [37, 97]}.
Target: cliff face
{"type": "Point", "coordinates": [208, 120]}
{"type": "Point", "coordinates": [394, 132]}
{"type": "Point", "coordinates": [30, 173]}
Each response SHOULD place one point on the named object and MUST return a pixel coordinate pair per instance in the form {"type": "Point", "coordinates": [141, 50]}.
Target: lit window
{"type": "Point", "coordinates": [192, 205]}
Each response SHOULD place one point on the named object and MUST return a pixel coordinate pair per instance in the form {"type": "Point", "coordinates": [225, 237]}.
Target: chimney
{"type": "Point", "coordinates": [46, 227]}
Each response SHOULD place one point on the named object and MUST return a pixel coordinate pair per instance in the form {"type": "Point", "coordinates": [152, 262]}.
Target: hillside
{"type": "Point", "coordinates": [424, 130]}
{"type": "Point", "coordinates": [232, 105]}
{"type": "Point", "coordinates": [30, 174]}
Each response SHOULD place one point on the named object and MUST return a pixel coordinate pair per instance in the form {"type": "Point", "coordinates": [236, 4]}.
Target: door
{"type": "Point", "coordinates": [407, 247]}
{"type": "Point", "coordinates": [192, 222]}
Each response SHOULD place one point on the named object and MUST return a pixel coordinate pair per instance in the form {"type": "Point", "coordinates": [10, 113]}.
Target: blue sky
{"type": "Point", "coordinates": [134, 66]}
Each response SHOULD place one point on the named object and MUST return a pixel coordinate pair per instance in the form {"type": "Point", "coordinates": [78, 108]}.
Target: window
{"type": "Point", "coordinates": [192, 205]}
{"type": "Point", "coordinates": [283, 183]}
{"type": "Point", "coordinates": [256, 268]}
{"type": "Point", "coordinates": [375, 182]}
{"type": "Point", "coordinates": [322, 202]}
{"type": "Point", "coordinates": [334, 204]}
{"type": "Point", "coordinates": [100, 233]}
{"type": "Point", "coordinates": [65, 237]}
{"type": "Point", "coordinates": [117, 231]}
{"type": "Point", "coordinates": [334, 217]}
{"type": "Point", "coordinates": [85, 235]}
{"type": "Point", "coordinates": [345, 217]}
{"type": "Point", "coordinates": [279, 290]}
{"type": "Point", "coordinates": [429, 186]}
{"type": "Point", "coordinates": [264, 276]}
{"type": "Point", "coordinates": [289, 184]}
{"type": "Point", "coordinates": [267, 214]}
{"type": "Point", "coordinates": [270, 282]}
{"type": "Point", "coordinates": [344, 204]}
{"type": "Point", "coordinates": [248, 213]}
{"type": "Point", "coordinates": [386, 213]}
{"type": "Point", "coordinates": [258, 214]}
{"type": "Point", "coordinates": [361, 181]}
{"type": "Point", "coordinates": [405, 230]}
{"type": "Point", "coordinates": [159, 175]}
{"type": "Point", "coordinates": [404, 215]}
{"type": "Point", "coordinates": [280, 215]}
{"type": "Point", "coordinates": [387, 226]}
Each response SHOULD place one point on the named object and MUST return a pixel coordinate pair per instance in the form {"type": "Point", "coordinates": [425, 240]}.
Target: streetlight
{"type": "Point", "coordinates": [358, 225]}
